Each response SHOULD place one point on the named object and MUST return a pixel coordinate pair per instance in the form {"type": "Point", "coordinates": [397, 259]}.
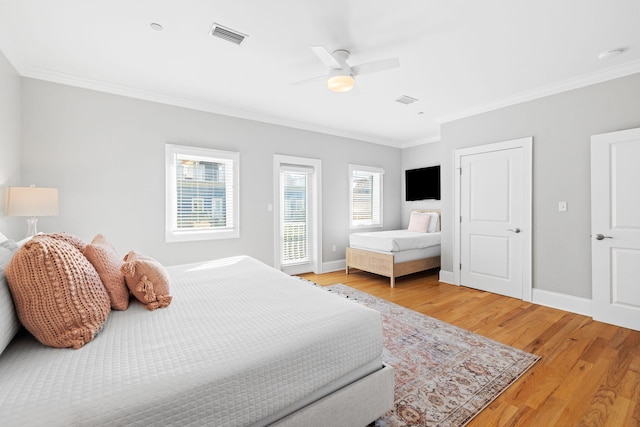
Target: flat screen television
{"type": "Point", "coordinates": [423, 183]}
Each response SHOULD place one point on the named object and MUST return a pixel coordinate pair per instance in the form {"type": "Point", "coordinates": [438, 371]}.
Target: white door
{"type": "Point", "coordinates": [296, 238]}
{"type": "Point", "coordinates": [495, 229]}
{"type": "Point", "coordinates": [615, 227]}
{"type": "Point", "coordinates": [297, 214]}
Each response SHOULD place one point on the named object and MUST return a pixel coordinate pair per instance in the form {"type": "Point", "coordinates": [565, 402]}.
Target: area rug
{"type": "Point", "coordinates": [444, 375]}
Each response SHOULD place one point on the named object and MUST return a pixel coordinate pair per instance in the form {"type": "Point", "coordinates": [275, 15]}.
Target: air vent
{"type": "Point", "coordinates": [227, 34]}
{"type": "Point", "coordinates": [406, 100]}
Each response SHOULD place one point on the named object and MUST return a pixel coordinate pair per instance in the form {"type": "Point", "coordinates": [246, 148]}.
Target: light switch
{"type": "Point", "coordinates": [269, 207]}
{"type": "Point", "coordinates": [562, 206]}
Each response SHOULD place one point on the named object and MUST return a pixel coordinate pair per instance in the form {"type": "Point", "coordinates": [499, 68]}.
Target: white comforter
{"type": "Point", "coordinates": [239, 343]}
{"type": "Point", "coordinates": [394, 240]}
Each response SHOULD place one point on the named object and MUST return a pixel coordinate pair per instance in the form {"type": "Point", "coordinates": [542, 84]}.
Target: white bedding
{"type": "Point", "coordinates": [241, 344]}
{"type": "Point", "coordinates": [394, 240]}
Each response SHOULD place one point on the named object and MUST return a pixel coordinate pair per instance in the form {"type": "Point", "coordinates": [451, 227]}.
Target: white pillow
{"type": "Point", "coordinates": [9, 323]}
{"type": "Point", "coordinates": [419, 221]}
{"type": "Point", "coordinates": [434, 224]}
{"type": "Point", "coordinates": [3, 238]}
{"type": "Point", "coordinates": [21, 243]}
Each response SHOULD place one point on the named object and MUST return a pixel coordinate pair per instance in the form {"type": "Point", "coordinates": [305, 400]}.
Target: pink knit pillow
{"type": "Point", "coordinates": [419, 221]}
{"type": "Point", "coordinates": [74, 241]}
{"type": "Point", "coordinates": [104, 257]}
{"type": "Point", "coordinates": [147, 280]}
{"type": "Point", "coordinates": [58, 295]}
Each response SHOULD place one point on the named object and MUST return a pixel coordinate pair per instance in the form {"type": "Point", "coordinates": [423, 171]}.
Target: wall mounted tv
{"type": "Point", "coordinates": [423, 183]}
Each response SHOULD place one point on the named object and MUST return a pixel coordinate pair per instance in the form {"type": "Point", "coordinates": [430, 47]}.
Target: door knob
{"type": "Point", "coordinates": [517, 230]}
{"type": "Point", "coordinates": [602, 237]}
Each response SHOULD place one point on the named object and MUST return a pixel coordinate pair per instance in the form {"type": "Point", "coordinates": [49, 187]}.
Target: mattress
{"type": "Point", "coordinates": [410, 254]}
{"type": "Point", "coordinates": [413, 254]}
{"type": "Point", "coordinates": [241, 344]}
{"type": "Point", "coordinates": [394, 240]}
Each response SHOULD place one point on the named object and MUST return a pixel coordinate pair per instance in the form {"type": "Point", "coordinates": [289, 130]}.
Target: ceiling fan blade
{"type": "Point", "coordinates": [375, 66]}
{"type": "Point", "coordinates": [326, 57]}
{"type": "Point", "coordinates": [306, 81]}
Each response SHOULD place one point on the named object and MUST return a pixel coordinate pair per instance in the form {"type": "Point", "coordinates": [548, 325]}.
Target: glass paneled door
{"type": "Point", "coordinates": [295, 201]}
{"type": "Point", "coordinates": [297, 214]}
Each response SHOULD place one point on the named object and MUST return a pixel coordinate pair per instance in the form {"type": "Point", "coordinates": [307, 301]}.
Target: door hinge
{"type": "Point", "coordinates": [460, 266]}
{"type": "Point", "coordinates": [461, 218]}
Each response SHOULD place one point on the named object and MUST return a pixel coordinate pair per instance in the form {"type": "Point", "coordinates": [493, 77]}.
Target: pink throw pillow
{"type": "Point", "coordinates": [104, 257]}
{"type": "Point", "coordinates": [419, 221]}
{"type": "Point", "coordinates": [147, 280]}
{"type": "Point", "coordinates": [58, 294]}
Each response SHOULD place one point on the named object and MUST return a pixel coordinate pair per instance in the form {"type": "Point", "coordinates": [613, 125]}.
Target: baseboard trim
{"type": "Point", "coordinates": [551, 299]}
{"type": "Point", "coordinates": [447, 277]}
{"type": "Point", "coordinates": [564, 302]}
{"type": "Point", "coordinates": [328, 267]}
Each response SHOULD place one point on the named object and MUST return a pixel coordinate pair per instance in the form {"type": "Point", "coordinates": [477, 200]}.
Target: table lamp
{"type": "Point", "coordinates": [31, 202]}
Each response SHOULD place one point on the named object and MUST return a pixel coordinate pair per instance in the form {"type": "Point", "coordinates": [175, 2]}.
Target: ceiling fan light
{"type": "Point", "coordinates": [340, 83]}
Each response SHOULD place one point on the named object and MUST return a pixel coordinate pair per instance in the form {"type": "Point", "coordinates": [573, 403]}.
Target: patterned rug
{"type": "Point", "coordinates": [444, 375]}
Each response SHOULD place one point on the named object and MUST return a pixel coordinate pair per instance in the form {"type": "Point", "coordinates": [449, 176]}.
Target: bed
{"type": "Point", "coordinates": [397, 253]}
{"type": "Point", "coordinates": [241, 344]}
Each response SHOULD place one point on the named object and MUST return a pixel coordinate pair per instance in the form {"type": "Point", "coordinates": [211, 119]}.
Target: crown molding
{"type": "Point", "coordinates": [6, 48]}
{"type": "Point", "coordinates": [606, 74]}
{"type": "Point", "coordinates": [420, 141]}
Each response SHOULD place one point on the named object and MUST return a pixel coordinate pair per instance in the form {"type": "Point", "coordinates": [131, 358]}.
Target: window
{"type": "Point", "coordinates": [201, 193]}
{"type": "Point", "coordinates": [365, 197]}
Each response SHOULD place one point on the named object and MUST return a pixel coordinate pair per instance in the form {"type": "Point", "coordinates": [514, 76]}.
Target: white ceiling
{"type": "Point", "coordinates": [457, 57]}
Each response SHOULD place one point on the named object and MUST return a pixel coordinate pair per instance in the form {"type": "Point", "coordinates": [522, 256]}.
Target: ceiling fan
{"type": "Point", "coordinates": [341, 76]}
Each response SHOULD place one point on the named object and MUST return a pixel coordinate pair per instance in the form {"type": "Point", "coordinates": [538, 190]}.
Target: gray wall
{"type": "Point", "coordinates": [105, 153]}
{"type": "Point", "coordinates": [419, 156]}
{"type": "Point", "coordinates": [9, 144]}
{"type": "Point", "coordinates": [561, 126]}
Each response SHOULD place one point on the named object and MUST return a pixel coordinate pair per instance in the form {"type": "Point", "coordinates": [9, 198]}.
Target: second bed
{"type": "Point", "coordinates": [397, 253]}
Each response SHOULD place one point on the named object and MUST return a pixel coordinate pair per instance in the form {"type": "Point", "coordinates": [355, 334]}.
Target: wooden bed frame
{"type": "Point", "coordinates": [383, 263]}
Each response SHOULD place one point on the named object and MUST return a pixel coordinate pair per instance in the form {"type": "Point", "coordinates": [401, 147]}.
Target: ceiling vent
{"type": "Point", "coordinates": [227, 34]}
{"type": "Point", "coordinates": [406, 100]}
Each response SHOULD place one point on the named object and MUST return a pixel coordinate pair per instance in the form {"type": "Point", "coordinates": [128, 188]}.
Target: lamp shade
{"type": "Point", "coordinates": [31, 201]}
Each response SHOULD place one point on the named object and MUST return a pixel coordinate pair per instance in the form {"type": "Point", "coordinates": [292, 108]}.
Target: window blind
{"type": "Point", "coordinates": [204, 192]}
{"type": "Point", "coordinates": [366, 196]}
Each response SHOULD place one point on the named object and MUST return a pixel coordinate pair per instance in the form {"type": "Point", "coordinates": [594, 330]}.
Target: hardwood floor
{"type": "Point", "coordinates": [589, 374]}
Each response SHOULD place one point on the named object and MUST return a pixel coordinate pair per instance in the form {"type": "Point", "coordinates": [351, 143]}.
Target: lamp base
{"type": "Point", "coordinates": [32, 226]}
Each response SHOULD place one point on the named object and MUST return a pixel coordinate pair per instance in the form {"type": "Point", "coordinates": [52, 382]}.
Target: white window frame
{"type": "Point", "coordinates": [353, 224]}
{"type": "Point", "coordinates": [172, 233]}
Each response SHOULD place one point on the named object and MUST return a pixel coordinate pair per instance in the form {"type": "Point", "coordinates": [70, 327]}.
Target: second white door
{"type": "Point", "coordinates": [494, 222]}
{"type": "Point", "coordinates": [615, 219]}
